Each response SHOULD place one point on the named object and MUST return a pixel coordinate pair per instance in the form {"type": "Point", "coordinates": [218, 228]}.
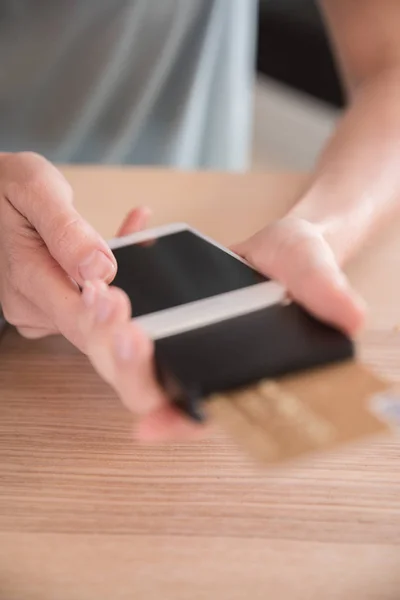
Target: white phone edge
{"type": "Point", "coordinates": [204, 312]}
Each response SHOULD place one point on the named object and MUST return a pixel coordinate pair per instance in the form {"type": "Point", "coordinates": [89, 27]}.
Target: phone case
{"type": "Point", "coordinates": [234, 353]}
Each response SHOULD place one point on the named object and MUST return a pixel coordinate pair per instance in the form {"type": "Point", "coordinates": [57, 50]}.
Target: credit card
{"type": "Point", "coordinates": [322, 409]}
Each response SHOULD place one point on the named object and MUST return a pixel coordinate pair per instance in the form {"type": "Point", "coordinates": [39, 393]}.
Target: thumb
{"type": "Point", "coordinates": [39, 192]}
{"type": "Point", "coordinates": [296, 254]}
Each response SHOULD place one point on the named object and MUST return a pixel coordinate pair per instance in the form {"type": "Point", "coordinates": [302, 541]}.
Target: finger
{"type": "Point", "coordinates": [121, 353]}
{"type": "Point", "coordinates": [41, 194]}
{"type": "Point", "coordinates": [136, 220]}
{"type": "Point", "coordinates": [297, 256]}
{"type": "Point", "coordinates": [53, 293]}
{"type": "Point", "coordinates": [167, 425]}
{"type": "Point", "coordinates": [104, 310]}
{"type": "Point", "coordinates": [32, 333]}
{"type": "Point", "coordinates": [21, 313]}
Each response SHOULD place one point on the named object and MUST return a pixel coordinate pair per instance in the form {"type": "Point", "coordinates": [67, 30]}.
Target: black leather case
{"type": "Point", "coordinates": [237, 352]}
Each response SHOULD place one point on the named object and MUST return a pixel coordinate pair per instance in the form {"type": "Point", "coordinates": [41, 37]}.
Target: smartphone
{"type": "Point", "coordinates": [187, 292]}
{"type": "Point", "coordinates": [178, 279]}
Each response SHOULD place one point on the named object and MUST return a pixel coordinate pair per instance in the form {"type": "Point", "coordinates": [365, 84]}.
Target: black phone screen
{"type": "Point", "coordinates": [176, 269]}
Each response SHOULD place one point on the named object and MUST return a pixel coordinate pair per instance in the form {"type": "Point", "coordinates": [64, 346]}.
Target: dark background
{"type": "Point", "coordinates": [293, 49]}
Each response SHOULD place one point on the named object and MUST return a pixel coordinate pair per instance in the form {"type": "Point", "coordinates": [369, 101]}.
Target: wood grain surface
{"type": "Point", "coordinates": [87, 514]}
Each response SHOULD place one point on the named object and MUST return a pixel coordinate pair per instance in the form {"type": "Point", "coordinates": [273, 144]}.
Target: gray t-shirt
{"type": "Point", "coordinates": [155, 82]}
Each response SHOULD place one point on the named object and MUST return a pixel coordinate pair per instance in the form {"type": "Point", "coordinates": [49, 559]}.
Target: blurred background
{"type": "Point", "coordinates": [298, 95]}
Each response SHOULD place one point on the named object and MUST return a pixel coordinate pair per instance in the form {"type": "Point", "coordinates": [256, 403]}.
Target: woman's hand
{"type": "Point", "coordinates": [291, 251]}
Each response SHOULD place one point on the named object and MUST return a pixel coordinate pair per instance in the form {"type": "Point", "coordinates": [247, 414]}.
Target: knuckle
{"type": "Point", "coordinates": [281, 248]}
{"type": "Point", "coordinates": [66, 235]}
{"type": "Point", "coordinates": [29, 158]}
{"type": "Point", "coordinates": [122, 301]}
{"type": "Point", "coordinates": [289, 242]}
{"type": "Point", "coordinates": [20, 165]}
{"type": "Point", "coordinates": [31, 177]}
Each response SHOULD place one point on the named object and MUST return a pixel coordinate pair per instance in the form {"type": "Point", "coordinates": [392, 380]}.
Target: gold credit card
{"type": "Point", "coordinates": [310, 412]}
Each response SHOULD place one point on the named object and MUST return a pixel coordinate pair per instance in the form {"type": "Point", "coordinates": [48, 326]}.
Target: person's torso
{"type": "Point", "coordinates": [127, 81]}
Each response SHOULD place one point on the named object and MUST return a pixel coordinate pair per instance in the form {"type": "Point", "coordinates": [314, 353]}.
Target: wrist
{"type": "Point", "coordinates": [344, 213]}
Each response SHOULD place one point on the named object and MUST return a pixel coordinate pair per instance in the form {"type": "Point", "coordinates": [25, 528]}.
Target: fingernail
{"type": "Point", "coordinates": [89, 294]}
{"type": "Point", "coordinates": [123, 344]}
{"type": "Point", "coordinates": [97, 266]}
{"type": "Point", "coordinates": [103, 307]}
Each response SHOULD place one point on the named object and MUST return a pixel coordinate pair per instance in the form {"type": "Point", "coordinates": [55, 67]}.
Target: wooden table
{"type": "Point", "coordinates": [85, 514]}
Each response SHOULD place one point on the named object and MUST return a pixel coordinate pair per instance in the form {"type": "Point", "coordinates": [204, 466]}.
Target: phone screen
{"type": "Point", "coordinates": [176, 269]}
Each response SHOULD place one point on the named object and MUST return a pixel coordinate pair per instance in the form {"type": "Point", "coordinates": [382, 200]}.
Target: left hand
{"type": "Point", "coordinates": [291, 251]}
{"type": "Point", "coordinates": [295, 252]}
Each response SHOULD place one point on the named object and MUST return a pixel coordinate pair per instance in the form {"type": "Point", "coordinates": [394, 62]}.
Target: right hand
{"type": "Point", "coordinates": [47, 250]}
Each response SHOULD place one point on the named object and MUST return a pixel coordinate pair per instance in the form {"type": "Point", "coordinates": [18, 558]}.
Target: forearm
{"type": "Point", "coordinates": [356, 185]}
